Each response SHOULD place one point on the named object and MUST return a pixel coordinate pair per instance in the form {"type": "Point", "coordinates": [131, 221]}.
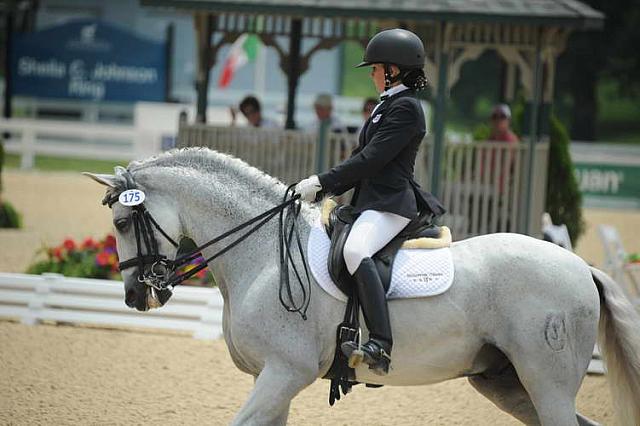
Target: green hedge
{"type": "Point", "coordinates": [564, 199]}
{"type": "Point", "coordinates": [9, 217]}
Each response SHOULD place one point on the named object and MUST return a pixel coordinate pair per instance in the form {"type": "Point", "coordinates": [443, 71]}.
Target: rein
{"type": "Point", "coordinates": [162, 274]}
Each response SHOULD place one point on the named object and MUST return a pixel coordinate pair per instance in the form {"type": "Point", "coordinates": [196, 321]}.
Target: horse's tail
{"type": "Point", "coordinates": [619, 341]}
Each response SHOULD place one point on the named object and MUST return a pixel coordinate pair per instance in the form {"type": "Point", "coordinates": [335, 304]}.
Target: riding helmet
{"type": "Point", "coordinates": [396, 46]}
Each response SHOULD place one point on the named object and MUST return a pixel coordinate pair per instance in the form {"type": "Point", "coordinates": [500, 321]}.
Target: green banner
{"type": "Point", "coordinates": [609, 185]}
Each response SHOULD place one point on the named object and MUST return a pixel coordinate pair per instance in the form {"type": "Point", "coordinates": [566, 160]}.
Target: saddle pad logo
{"type": "Point", "coordinates": [376, 118]}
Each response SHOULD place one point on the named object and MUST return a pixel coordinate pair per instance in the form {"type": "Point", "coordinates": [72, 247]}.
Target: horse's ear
{"type": "Point", "coordinates": [107, 180]}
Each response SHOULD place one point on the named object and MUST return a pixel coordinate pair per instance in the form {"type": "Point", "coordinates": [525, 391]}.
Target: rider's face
{"type": "Point", "coordinates": [377, 75]}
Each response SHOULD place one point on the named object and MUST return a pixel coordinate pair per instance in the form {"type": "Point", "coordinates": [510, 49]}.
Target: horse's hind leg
{"type": "Point", "coordinates": [507, 393]}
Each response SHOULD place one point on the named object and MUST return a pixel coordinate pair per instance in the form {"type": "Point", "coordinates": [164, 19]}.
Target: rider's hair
{"type": "Point", "coordinates": [413, 78]}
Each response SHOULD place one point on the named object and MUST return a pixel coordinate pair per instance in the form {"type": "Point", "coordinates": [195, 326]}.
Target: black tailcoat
{"type": "Point", "coordinates": [381, 167]}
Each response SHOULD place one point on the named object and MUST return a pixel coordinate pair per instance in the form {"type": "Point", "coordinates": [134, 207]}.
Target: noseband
{"type": "Point", "coordinates": [159, 272]}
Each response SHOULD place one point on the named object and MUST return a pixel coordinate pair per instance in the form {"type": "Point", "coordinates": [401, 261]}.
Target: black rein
{"type": "Point", "coordinates": [288, 211]}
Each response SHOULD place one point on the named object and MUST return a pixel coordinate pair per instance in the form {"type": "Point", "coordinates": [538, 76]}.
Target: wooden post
{"type": "Point", "coordinates": [8, 38]}
{"type": "Point", "coordinates": [203, 24]}
{"type": "Point", "coordinates": [293, 72]}
{"type": "Point", "coordinates": [169, 43]}
{"type": "Point", "coordinates": [533, 135]}
{"type": "Point", "coordinates": [439, 113]}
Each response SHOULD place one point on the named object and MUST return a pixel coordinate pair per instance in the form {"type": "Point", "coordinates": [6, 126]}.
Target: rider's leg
{"type": "Point", "coordinates": [371, 232]}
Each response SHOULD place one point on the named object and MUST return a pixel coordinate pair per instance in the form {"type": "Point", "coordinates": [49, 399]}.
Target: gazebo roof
{"type": "Point", "coordinates": [570, 13]}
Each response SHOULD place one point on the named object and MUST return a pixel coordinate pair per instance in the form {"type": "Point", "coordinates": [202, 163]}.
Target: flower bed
{"type": "Point", "coordinates": [96, 259]}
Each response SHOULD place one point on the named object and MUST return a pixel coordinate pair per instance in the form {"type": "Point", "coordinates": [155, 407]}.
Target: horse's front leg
{"type": "Point", "coordinates": [275, 387]}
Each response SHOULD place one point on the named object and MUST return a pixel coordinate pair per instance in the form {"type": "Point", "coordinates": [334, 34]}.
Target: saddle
{"type": "Point", "coordinates": [338, 220]}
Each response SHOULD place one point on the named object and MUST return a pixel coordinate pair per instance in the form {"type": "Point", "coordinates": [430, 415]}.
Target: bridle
{"type": "Point", "coordinates": [159, 272]}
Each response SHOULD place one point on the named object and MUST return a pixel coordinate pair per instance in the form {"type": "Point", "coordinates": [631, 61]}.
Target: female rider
{"type": "Point", "coordinates": [381, 170]}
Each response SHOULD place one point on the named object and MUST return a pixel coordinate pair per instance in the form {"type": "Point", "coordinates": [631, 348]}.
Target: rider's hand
{"type": "Point", "coordinates": [308, 188]}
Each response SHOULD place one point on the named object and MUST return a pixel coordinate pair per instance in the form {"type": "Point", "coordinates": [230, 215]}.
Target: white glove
{"type": "Point", "coordinates": [308, 188]}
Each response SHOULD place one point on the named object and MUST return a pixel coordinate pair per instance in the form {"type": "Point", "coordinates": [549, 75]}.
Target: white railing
{"type": "Point", "coordinates": [483, 184]}
{"type": "Point", "coordinates": [69, 139]}
{"type": "Point", "coordinates": [53, 297]}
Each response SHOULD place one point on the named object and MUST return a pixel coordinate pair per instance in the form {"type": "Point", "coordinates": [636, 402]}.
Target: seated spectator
{"type": "Point", "coordinates": [323, 106]}
{"type": "Point", "coordinates": [251, 109]}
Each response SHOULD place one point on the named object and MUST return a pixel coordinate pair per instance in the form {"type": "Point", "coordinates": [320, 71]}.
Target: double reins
{"type": "Point", "coordinates": [162, 267]}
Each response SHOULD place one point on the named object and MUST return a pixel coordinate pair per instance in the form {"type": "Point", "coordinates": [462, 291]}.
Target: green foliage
{"type": "Point", "coordinates": [43, 162]}
{"type": "Point", "coordinates": [9, 217]}
{"type": "Point", "coordinates": [1, 160]}
{"type": "Point", "coordinates": [564, 200]}
{"type": "Point", "coordinates": [356, 81]}
{"type": "Point", "coordinates": [482, 132]}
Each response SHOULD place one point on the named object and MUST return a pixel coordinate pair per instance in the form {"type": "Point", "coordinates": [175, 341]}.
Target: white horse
{"type": "Point", "coordinates": [520, 320]}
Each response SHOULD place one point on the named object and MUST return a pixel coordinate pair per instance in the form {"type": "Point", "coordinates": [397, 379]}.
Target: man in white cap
{"type": "Point", "coordinates": [500, 125]}
{"type": "Point", "coordinates": [323, 106]}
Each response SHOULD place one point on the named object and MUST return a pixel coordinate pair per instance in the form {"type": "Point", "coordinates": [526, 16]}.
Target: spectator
{"type": "Point", "coordinates": [367, 109]}
{"type": "Point", "coordinates": [251, 109]}
{"type": "Point", "coordinates": [501, 125]}
{"type": "Point", "coordinates": [323, 106]}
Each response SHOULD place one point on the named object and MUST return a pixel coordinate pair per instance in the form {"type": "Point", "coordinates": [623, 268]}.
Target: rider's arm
{"type": "Point", "coordinates": [394, 134]}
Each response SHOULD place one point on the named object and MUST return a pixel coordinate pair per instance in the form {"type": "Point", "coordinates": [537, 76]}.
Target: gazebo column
{"type": "Point", "coordinates": [293, 71]}
{"type": "Point", "coordinates": [439, 114]}
{"type": "Point", "coordinates": [204, 26]}
{"type": "Point", "coordinates": [526, 226]}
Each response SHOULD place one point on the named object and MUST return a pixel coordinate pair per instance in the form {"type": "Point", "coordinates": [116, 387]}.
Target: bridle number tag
{"type": "Point", "coordinates": [131, 197]}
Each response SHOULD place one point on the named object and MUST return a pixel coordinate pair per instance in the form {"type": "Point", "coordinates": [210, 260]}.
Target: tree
{"type": "Point", "coordinates": [564, 199]}
{"type": "Point", "coordinates": [592, 55]}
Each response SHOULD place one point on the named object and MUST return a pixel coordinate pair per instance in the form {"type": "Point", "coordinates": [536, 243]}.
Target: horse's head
{"type": "Point", "coordinates": [140, 244]}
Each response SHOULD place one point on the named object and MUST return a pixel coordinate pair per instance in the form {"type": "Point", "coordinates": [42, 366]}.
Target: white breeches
{"type": "Point", "coordinates": [371, 232]}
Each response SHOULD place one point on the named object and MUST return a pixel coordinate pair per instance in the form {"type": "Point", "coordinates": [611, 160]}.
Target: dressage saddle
{"type": "Point", "coordinates": [339, 224]}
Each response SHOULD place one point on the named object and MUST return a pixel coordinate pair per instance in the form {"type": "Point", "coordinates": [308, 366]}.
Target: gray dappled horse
{"type": "Point", "coordinates": [520, 320]}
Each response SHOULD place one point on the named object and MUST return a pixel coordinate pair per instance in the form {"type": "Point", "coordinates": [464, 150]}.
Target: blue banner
{"type": "Point", "coordinates": [88, 59]}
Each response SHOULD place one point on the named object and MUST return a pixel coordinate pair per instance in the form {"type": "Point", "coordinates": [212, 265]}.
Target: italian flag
{"type": "Point", "coordinates": [243, 50]}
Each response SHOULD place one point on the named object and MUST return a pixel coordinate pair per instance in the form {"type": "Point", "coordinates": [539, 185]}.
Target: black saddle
{"type": "Point", "coordinates": [341, 220]}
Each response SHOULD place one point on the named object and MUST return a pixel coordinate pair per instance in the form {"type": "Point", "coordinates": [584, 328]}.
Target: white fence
{"type": "Point", "coordinates": [68, 139]}
{"type": "Point", "coordinates": [53, 297]}
{"type": "Point", "coordinates": [483, 184]}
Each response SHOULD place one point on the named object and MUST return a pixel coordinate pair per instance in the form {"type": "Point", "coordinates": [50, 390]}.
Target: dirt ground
{"type": "Point", "coordinates": [83, 375]}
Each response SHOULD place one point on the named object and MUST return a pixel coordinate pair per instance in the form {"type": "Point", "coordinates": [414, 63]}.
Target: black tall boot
{"type": "Point", "coordinates": [377, 351]}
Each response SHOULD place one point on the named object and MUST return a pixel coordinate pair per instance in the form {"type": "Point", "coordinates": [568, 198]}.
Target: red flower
{"type": "Point", "coordinates": [102, 258]}
{"type": "Point", "coordinates": [69, 244]}
{"type": "Point", "coordinates": [110, 241]}
{"type": "Point", "coordinates": [57, 253]}
{"type": "Point", "coordinates": [89, 243]}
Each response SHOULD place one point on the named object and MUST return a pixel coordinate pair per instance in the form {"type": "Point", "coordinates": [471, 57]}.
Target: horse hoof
{"type": "Point", "coordinates": [356, 358]}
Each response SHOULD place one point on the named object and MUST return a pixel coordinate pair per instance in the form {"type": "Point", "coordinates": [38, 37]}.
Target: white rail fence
{"type": "Point", "coordinates": [484, 184]}
{"type": "Point", "coordinates": [69, 139]}
{"type": "Point", "coordinates": [53, 297]}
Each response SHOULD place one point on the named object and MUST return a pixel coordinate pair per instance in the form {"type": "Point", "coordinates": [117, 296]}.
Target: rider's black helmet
{"type": "Point", "coordinates": [397, 46]}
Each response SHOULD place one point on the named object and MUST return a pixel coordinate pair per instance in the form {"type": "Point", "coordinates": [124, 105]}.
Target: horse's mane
{"type": "Point", "coordinates": [208, 162]}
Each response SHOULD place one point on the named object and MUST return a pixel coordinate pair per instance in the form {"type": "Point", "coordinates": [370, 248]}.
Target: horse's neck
{"type": "Point", "coordinates": [211, 209]}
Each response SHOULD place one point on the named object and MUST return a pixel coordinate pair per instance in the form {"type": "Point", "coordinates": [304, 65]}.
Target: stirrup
{"type": "Point", "coordinates": [371, 353]}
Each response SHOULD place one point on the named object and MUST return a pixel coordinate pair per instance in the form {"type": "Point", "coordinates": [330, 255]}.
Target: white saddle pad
{"type": "Point", "coordinates": [416, 272]}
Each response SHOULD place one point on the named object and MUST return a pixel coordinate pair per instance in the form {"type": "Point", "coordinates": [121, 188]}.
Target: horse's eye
{"type": "Point", "coordinates": [121, 224]}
